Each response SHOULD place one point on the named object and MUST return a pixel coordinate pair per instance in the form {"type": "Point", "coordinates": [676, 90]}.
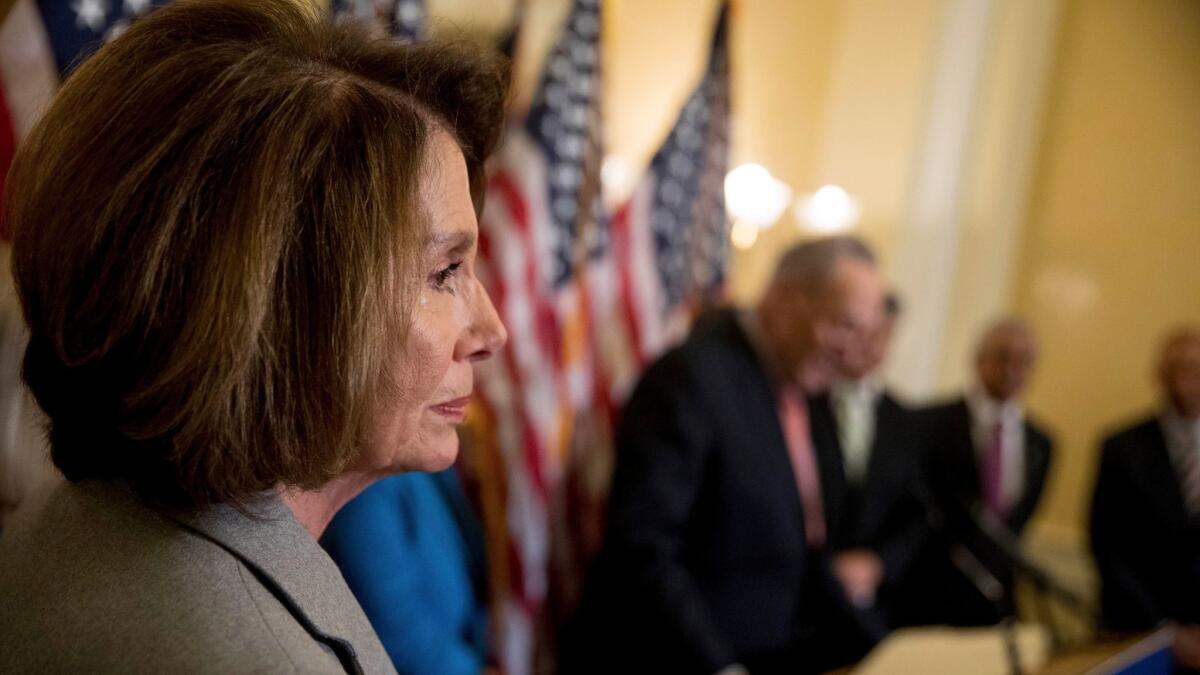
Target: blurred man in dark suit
{"type": "Point", "coordinates": [1145, 521]}
{"type": "Point", "coordinates": [870, 464]}
{"type": "Point", "coordinates": [986, 468]}
{"type": "Point", "coordinates": [707, 564]}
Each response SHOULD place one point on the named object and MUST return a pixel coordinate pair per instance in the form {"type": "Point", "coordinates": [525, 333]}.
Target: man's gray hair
{"type": "Point", "coordinates": [810, 264]}
{"type": "Point", "coordinates": [1003, 324]}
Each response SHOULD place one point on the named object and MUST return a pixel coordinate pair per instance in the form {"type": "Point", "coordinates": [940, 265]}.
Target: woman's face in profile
{"type": "Point", "coordinates": [453, 325]}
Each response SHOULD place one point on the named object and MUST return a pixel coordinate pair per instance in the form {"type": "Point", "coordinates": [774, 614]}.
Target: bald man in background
{"type": "Point", "coordinates": [1145, 520]}
{"type": "Point", "coordinates": [986, 462]}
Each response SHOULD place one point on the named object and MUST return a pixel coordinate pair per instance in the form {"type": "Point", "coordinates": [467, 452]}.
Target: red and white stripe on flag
{"type": "Point", "coordinates": [522, 387]}
{"type": "Point", "coordinates": [28, 76]}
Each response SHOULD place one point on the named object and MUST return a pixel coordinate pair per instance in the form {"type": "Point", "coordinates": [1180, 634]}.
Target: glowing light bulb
{"type": "Point", "coordinates": [755, 197]}
{"type": "Point", "coordinates": [830, 209]}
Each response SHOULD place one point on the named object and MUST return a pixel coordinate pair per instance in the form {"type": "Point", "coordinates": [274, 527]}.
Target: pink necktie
{"type": "Point", "coordinates": [793, 415]}
{"type": "Point", "coordinates": [993, 474]}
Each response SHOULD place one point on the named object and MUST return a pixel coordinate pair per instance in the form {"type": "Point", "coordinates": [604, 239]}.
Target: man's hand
{"type": "Point", "coordinates": [1187, 645]}
{"type": "Point", "coordinates": [860, 572]}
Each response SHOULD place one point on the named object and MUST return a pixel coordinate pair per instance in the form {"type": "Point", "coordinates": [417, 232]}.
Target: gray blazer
{"type": "Point", "coordinates": [91, 580]}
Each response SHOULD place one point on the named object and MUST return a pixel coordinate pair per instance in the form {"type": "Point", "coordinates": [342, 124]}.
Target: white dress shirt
{"type": "Point", "coordinates": [1183, 444]}
{"type": "Point", "coordinates": [985, 414]}
{"type": "Point", "coordinates": [1183, 435]}
{"type": "Point", "coordinates": [854, 403]}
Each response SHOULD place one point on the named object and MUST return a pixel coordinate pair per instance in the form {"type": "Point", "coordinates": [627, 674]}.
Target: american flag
{"type": "Point", "coordinates": [403, 20]}
{"type": "Point", "coordinates": [539, 229]}
{"type": "Point", "coordinates": [587, 301]}
{"type": "Point", "coordinates": [40, 42]}
{"type": "Point", "coordinates": [661, 258]}
{"type": "Point", "coordinates": [671, 237]}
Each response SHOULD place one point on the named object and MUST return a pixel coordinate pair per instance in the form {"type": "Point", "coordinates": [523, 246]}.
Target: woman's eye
{"type": "Point", "coordinates": [443, 276]}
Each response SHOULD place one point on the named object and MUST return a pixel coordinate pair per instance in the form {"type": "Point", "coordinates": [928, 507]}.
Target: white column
{"type": "Point", "coordinates": [1004, 160]}
{"type": "Point", "coordinates": [926, 259]}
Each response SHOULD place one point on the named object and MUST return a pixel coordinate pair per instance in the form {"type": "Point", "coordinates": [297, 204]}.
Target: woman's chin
{"type": "Point", "coordinates": [436, 455]}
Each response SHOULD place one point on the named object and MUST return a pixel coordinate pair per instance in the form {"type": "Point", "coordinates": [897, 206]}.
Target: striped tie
{"type": "Point", "coordinates": [1189, 470]}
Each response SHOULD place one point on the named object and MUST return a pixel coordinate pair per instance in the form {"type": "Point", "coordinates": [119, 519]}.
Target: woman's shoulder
{"type": "Point", "coordinates": [94, 580]}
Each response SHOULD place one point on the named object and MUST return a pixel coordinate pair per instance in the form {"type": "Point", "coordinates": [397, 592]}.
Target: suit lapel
{"type": "Point", "coordinates": [1036, 455]}
{"type": "Point", "coordinates": [1035, 461]}
{"type": "Point", "coordinates": [1161, 484]}
{"type": "Point", "coordinates": [830, 464]}
{"type": "Point", "coordinates": [881, 466]}
{"type": "Point", "coordinates": [760, 402]}
{"type": "Point", "coordinates": [285, 558]}
{"type": "Point", "coordinates": [961, 445]}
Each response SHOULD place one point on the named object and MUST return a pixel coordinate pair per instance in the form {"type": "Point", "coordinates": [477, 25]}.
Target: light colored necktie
{"type": "Point", "coordinates": [855, 431]}
{"type": "Point", "coordinates": [1189, 474]}
{"type": "Point", "coordinates": [793, 416]}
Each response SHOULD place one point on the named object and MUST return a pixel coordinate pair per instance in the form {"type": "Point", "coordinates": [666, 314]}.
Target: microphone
{"type": "Point", "coordinates": [977, 573]}
{"type": "Point", "coordinates": [989, 587]}
{"type": "Point", "coordinates": [1003, 540]}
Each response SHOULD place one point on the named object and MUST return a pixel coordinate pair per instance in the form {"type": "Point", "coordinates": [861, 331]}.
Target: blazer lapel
{"type": "Point", "coordinates": [830, 464]}
{"type": "Point", "coordinates": [962, 448]}
{"type": "Point", "coordinates": [881, 467]}
{"type": "Point", "coordinates": [1162, 484]}
{"type": "Point", "coordinates": [1036, 456]}
{"type": "Point", "coordinates": [757, 396]}
{"type": "Point", "coordinates": [285, 558]}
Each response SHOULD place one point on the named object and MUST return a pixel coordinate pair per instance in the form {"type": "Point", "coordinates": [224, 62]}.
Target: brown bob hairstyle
{"type": "Point", "coordinates": [217, 241]}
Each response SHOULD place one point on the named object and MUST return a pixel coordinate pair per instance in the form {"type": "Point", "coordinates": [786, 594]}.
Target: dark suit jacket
{"type": "Point", "coordinates": [887, 512]}
{"type": "Point", "coordinates": [944, 594]}
{"type": "Point", "coordinates": [1147, 548]}
{"type": "Point", "coordinates": [704, 561]}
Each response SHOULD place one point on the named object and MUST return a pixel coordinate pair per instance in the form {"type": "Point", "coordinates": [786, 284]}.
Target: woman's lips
{"type": "Point", "coordinates": [455, 409]}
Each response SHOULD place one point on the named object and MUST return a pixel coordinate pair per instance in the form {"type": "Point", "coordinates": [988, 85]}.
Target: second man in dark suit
{"type": "Point", "coordinates": [870, 461]}
{"type": "Point", "coordinates": [986, 467]}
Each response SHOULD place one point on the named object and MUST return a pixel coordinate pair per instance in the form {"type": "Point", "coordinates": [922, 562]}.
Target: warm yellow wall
{"type": "Point", "coordinates": [654, 54]}
{"type": "Point", "coordinates": [873, 119]}
{"type": "Point", "coordinates": [823, 91]}
{"type": "Point", "coordinates": [1111, 251]}
{"type": "Point", "coordinates": [780, 61]}
{"type": "Point", "coordinates": [1010, 112]}
{"type": "Point", "coordinates": [652, 57]}
{"type": "Point", "coordinates": [831, 92]}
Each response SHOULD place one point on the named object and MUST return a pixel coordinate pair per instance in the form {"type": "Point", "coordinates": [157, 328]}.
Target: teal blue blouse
{"type": "Point", "coordinates": [410, 548]}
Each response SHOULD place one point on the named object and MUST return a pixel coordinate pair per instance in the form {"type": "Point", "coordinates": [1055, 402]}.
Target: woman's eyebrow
{"type": "Point", "coordinates": [458, 241]}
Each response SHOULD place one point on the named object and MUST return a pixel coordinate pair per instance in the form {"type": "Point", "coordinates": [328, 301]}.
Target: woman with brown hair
{"type": "Point", "coordinates": [244, 244]}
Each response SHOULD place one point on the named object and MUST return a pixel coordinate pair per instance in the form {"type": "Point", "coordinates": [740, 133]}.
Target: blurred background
{"type": "Point", "coordinates": [1033, 157]}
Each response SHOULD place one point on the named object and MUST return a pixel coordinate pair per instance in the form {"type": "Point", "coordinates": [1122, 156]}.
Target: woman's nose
{"type": "Point", "coordinates": [487, 334]}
